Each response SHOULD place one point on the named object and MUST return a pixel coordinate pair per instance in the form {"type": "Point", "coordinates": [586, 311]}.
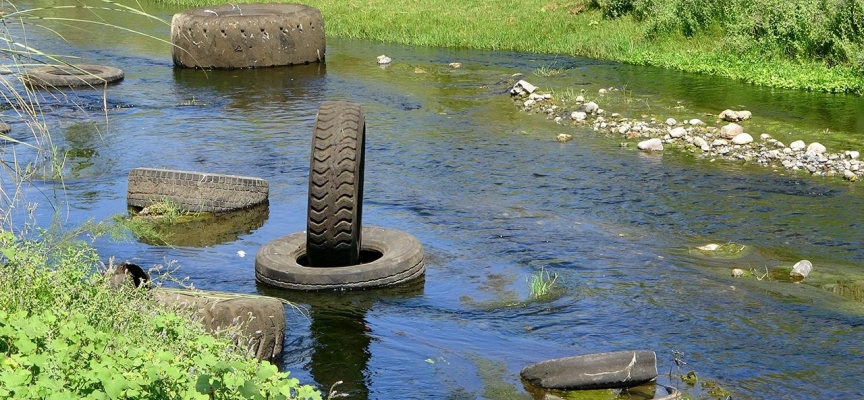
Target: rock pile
{"type": "Point", "coordinates": [725, 139]}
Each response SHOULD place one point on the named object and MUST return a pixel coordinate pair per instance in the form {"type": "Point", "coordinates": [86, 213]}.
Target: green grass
{"type": "Point", "coordinates": [556, 27]}
{"type": "Point", "coordinates": [542, 284]}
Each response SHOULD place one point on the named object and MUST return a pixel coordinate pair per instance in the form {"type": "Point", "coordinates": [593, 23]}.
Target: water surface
{"type": "Point", "coordinates": [493, 198]}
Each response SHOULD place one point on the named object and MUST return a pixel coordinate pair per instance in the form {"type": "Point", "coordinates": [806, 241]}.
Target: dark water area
{"type": "Point", "coordinates": [494, 198]}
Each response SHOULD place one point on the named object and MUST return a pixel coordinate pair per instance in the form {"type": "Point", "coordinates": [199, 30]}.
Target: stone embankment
{"type": "Point", "coordinates": [722, 139]}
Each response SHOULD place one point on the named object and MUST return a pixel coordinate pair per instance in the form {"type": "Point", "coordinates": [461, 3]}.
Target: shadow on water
{"type": "Point", "coordinates": [339, 332]}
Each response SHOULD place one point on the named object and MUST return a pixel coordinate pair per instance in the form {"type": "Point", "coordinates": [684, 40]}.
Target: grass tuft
{"type": "Point", "coordinates": [542, 284]}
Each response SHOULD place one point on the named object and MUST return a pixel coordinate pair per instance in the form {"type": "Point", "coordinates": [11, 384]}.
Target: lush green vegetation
{"type": "Point", "coordinates": [65, 334]}
{"type": "Point", "coordinates": [804, 44]}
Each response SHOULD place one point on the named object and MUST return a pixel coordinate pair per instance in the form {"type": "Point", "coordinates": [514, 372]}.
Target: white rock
{"type": "Point", "coordinates": [563, 137]}
{"type": "Point", "coordinates": [578, 116]}
{"type": "Point", "coordinates": [743, 138]}
{"type": "Point", "coordinates": [765, 136]}
{"type": "Point", "coordinates": [853, 154]}
{"type": "Point", "coordinates": [701, 143]}
{"type": "Point", "coordinates": [671, 121]}
{"type": "Point", "coordinates": [558, 120]}
{"type": "Point", "coordinates": [696, 122]}
{"type": "Point", "coordinates": [816, 148]}
{"type": "Point", "coordinates": [731, 130]}
{"type": "Point", "coordinates": [384, 60]}
{"type": "Point", "coordinates": [737, 272]}
{"type": "Point", "coordinates": [744, 115]}
{"type": "Point", "coordinates": [525, 86]}
{"type": "Point", "coordinates": [850, 176]}
{"type": "Point", "coordinates": [580, 99]}
{"type": "Point", "coordinates": [678, 132]}
{"type": "Point", "coordinates": [797, 145]}
{"type": "Point", "coordinates": [719, 142]}
{"type": "Point", "coordinates": [624, 128]}
{"type": "Point", "coordinates": [653, 144]}
{"type": "Point", "coordinates": [529, 103]}
{"type": "Point", "coordinates": [536, 96]}
{"type": "Point", "coordinates": [547, 96]}
{"type": "Point", "coordinates": [455, 65]}
{"type": "Point", "coordinates": [591, 107]}
{"type": "Point", "coordinates": [601, 91]}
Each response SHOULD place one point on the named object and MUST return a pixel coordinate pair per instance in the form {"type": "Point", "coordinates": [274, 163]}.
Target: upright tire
{"type": "Point", "coordinates": [336, 186]}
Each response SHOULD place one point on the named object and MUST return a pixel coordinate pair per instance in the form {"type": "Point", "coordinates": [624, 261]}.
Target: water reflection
{"type": "Point", "coordinates": [340, 334]}
{"type": "Point", "coordinates": [259, 86]}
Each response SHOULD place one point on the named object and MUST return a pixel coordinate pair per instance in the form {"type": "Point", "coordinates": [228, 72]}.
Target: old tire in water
{"type": "Point", "coordinates": [617, 369]}
{"type": "Point", "coordinates": [73, 76]}
{"type": "Point", "coordinates": [195, 191]}
{"type": "Point", "coordinates": [261, 318]}
{"type": "Point", "coordinates": [247, 36]}
{"type": "Point", "coordinates": [335, 209]}
{"type": "Point", "coordinates": [389, 257]}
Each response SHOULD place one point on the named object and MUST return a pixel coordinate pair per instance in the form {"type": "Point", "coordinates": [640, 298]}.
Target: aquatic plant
{"type": "Point", "coordinates": [541, 284]}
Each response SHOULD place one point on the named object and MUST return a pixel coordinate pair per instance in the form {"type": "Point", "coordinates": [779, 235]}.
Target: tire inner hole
{"type": "Point", "coordinates": [366, 256]}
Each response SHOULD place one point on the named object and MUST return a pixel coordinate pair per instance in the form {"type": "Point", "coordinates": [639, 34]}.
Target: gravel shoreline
{"type": "Point", "coordinates": [722, 138]}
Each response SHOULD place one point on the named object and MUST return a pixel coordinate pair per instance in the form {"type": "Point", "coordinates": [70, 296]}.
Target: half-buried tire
{"type": "Point", "coordinates": [335, 209]}
{"type": "Point", "coordinates": [73, 76]}
{"type": "Point", "coordinates": [388, 257]}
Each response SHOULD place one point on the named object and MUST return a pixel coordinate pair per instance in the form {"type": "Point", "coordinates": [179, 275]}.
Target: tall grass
{"type": "Point", "coordinates": [764, 42]}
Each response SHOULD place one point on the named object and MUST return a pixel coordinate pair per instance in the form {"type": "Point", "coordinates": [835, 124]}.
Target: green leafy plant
{"type": "Point", "coordinates": [63, 330]}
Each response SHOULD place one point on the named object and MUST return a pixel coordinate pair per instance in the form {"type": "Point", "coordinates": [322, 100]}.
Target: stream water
{"type": "Point", "coordinates": [494, 199]}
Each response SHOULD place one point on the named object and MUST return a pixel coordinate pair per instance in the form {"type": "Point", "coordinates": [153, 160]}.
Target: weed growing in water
{"type": "Point", "coordinates": [542, 284]}
{"type": "Point", "coordinates": [547, 72]}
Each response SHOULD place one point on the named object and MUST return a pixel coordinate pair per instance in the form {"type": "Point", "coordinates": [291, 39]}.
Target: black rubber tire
{"type": "Point", "coordinates": [247, 36]}
{"type": "Point", "coordinates": [278, 263]}
{"type": "Point", "coordinates": [335, 209]}
{"type": "Point", "coordinates": [195, 191]}
{"type": "Point", "coordinates": [261, 318]}
{"type": "Point", "coordinates": [73, 76]}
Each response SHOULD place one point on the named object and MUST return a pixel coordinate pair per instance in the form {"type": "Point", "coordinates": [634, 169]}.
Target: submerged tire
{"type": "Point", "coordinates": [335, 209]}
{"type": "Point", "coordinates": [247, 36]}
{"type": "Point", "coordinates": [73, 76]}
{"type": "Point", "coordinates": [390, 257]}
{"type": "Point", "coordinates": [195, 191]}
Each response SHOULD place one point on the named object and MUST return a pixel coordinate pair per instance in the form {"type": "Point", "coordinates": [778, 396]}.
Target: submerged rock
{"type": "Point", "coordinates": [653, 144]}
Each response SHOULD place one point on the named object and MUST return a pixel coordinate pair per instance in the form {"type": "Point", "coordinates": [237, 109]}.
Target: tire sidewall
{"type": "Point", "coordinates": [74, 76]}
{"type": "Point", "coordinates": [402, 259]}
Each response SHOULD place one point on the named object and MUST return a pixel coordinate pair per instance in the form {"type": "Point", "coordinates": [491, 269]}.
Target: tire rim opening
{"type": "Point", "coordinates": [366, 256]}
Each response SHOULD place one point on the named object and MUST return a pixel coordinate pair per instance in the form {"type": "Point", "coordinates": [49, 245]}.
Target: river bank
{"type": "Point", "coordinates": [570, 28]}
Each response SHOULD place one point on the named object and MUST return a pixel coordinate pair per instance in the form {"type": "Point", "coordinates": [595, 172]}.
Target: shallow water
{"type": "Point", "coordinates": [493, 198]}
